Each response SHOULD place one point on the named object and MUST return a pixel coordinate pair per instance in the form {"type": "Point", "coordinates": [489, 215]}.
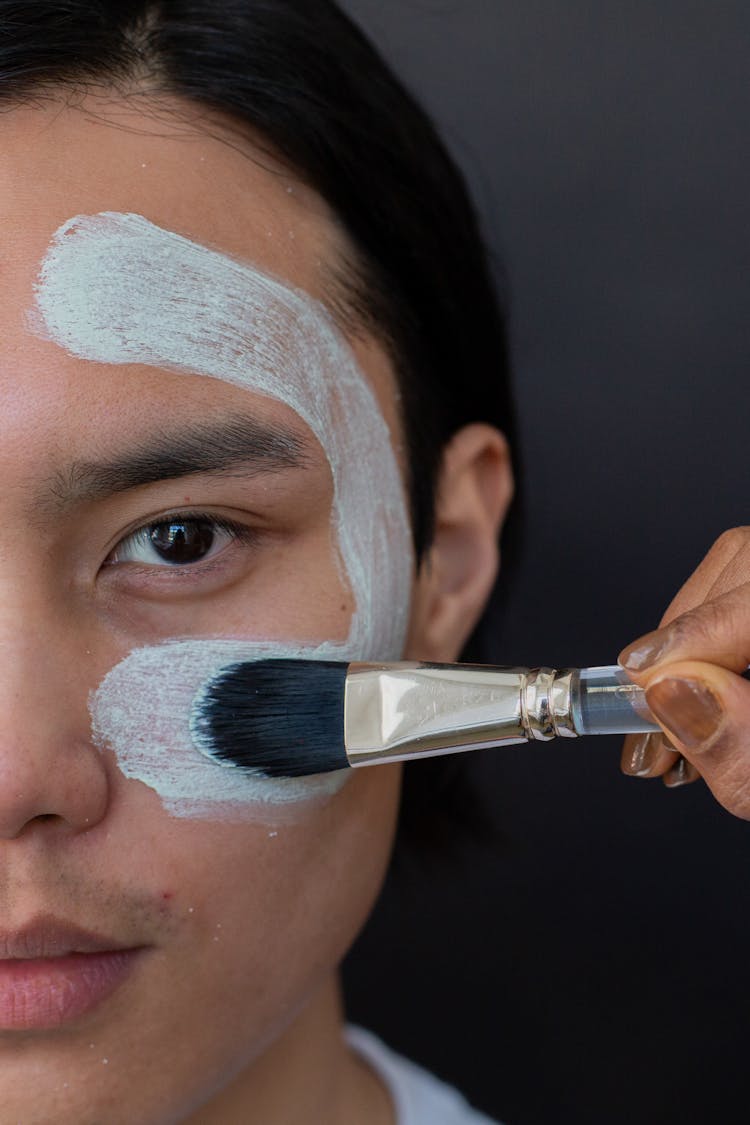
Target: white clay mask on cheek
{"type": "Point", "coordinates": [116, 289]}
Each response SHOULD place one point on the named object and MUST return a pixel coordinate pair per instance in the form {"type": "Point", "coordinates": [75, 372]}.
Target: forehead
{"type": "Point", "coordinates": [107, 154]}
{"type": "Point", "coordinates": [183, 169]}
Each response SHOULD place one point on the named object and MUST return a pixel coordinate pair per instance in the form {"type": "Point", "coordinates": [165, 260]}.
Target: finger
{"type": "Point", "coordinates": [681, 773]}
{"type": "Point", "coordinates": [736, 569]}
{"type": "Point", "coordinates": [705, 711]}
{"type": "Point", "coordinates": [647, 755]}
{"type": "Point", "coordinates": [726, 565]}
{"type": "Point", "coordinates": [717, 631]}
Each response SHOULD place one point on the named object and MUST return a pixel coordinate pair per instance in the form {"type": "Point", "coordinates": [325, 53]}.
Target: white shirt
{"type": "Point", "coordinates": [419, 1097]}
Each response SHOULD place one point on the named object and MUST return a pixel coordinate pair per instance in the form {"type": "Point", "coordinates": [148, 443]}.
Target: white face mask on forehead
{"type": "Point", "coordinates": [116, 289]}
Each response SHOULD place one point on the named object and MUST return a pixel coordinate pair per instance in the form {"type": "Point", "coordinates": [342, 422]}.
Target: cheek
{"type": "Point", "coordinates": [326, 863]}
{"type": "Point", "coordinates": [270, 911]}
{"type": "Point", "coordinates": [299, 592]}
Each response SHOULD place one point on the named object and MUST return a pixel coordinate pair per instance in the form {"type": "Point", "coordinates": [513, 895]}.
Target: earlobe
{"type": "Point", "coordinates": [455, 579]}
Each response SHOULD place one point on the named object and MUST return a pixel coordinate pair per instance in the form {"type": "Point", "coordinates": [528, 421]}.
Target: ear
{"type": "Point", "coordinates": [475, 488]}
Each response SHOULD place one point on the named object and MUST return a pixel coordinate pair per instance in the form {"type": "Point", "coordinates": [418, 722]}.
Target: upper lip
{"type": "Point", "coordinates": [45, 936]}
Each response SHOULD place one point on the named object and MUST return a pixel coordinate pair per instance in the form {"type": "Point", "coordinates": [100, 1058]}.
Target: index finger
{"type": "Point", "coordinates": [725, 566]}
{"type": "Point", "coordinates": [716, 632]}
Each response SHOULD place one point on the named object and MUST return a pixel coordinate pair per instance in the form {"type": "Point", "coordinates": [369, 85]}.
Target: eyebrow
{"type": "Point", "coordinates": [239, 445]}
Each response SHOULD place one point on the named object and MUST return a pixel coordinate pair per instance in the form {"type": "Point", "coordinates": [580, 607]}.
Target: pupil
{"type": "Point", "coordinates": [183, 542]}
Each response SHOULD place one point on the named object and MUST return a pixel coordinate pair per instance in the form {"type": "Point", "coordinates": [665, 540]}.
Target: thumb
{"type": "Point", "coordinates": [705, 711]}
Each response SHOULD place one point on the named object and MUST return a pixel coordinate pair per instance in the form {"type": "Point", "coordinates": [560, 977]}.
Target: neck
{"type": "Point", "coordinates": [309, 1066]}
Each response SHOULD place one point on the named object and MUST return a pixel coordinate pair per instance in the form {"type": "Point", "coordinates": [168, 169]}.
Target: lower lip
{"type": "Point", "coordinates": [51, 991]}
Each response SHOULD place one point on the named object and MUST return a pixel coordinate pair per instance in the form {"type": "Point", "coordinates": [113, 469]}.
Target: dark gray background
{"type": "Point", "coordinates": [594, 969]}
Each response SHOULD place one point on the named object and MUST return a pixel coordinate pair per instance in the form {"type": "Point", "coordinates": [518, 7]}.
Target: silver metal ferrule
{"type": "Point", "coordinates": [396, 712]}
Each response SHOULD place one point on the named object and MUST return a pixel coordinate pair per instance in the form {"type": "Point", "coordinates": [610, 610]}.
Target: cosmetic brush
{"type": "Point", "coordinates": [292, 718]}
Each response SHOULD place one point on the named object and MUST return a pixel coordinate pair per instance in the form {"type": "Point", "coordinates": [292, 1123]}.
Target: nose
{"type": "Point", "coordinates": [49, 768]}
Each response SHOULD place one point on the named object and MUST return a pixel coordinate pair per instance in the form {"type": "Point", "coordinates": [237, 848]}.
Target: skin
{"type": "Point", "coordinates": [256, 917]}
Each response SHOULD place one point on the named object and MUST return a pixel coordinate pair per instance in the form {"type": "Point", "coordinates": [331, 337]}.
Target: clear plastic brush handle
{"type": "Point", "coordinates": [604, 701]}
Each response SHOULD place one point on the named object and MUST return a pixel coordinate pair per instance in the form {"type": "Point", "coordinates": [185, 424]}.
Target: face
{"type": "Point", "coordinates": [172, 490]}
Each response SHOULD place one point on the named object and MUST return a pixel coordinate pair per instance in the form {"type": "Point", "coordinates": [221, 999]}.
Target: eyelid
{"type": "Point", "coordinates": [240, 532]}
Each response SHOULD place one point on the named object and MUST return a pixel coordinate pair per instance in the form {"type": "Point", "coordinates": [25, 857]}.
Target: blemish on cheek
{"type": "Point", "coordinates": [167, 895]}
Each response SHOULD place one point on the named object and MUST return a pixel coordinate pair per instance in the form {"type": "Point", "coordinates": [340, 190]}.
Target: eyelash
{"type": "Point", "coordinates": [240, 533]}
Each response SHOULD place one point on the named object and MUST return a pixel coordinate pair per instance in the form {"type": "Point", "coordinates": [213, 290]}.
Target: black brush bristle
{"type": "Point", "coordinates": [280, 718]}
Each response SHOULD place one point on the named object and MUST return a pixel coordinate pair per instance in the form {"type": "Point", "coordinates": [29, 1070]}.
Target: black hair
{"type": "Point", "coordinates": [300, 75]}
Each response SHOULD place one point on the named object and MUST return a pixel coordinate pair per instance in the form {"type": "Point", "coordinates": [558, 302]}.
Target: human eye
{"type": "Point", "coordinates": [179, 540]}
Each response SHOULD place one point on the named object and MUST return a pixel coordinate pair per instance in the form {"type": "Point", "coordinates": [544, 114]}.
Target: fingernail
{"type": "Point", "coordinates": [681, 773]}
{"type": "Point", "coordinates": [643, 653]}
{"type": "Point", "coordinates": [688, 708]}
{"type": "Point", "coordinates": [641, 755]}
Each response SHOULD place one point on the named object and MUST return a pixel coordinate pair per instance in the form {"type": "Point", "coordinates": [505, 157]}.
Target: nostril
{"type": "Point", "coordinates": [37, 788]}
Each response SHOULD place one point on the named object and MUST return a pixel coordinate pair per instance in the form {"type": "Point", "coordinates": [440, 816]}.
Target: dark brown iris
{"type": "Point", "coordinates": [182, 541]}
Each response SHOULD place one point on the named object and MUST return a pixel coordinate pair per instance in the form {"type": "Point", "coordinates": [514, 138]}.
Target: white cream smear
{"type": "Point", "coordinates": [117, 289]}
